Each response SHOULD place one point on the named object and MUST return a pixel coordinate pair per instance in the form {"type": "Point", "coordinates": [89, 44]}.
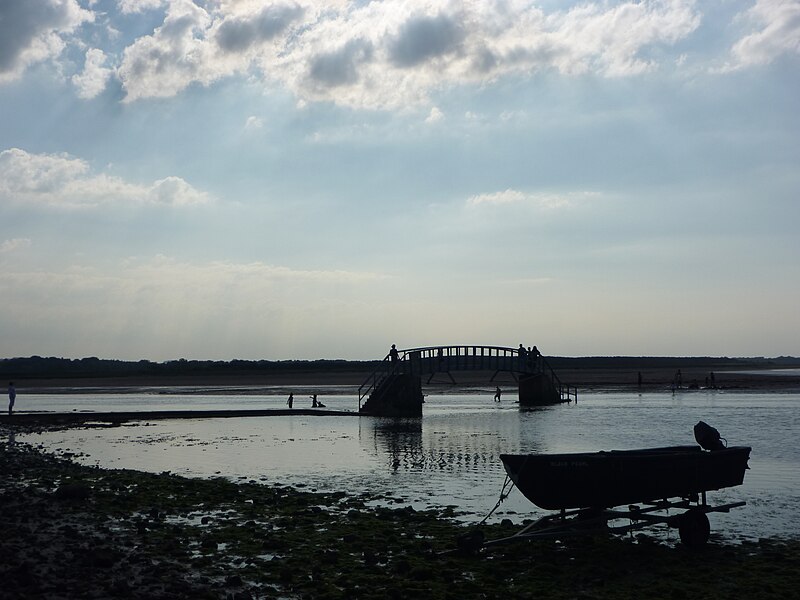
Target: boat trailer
{"type": "Point", "coordinates": [692, 524]}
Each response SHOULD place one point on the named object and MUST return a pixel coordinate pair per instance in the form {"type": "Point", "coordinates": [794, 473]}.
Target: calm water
{"type": "Point", "coordinates": [451, 455]}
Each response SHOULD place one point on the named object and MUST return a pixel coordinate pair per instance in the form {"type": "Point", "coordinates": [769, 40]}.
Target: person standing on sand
{"type": "Point", "coordinates": [314, 401]}
{"type": "Point", "coordinates": [290, 401]}
{"type": "Point", "coordinates": [12, 396]}
{"type": "Point", "coordinates": [497, 394]}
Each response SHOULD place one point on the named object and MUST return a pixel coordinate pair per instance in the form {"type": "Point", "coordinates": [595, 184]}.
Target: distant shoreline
{"type": "Point", "coordinates": [586, 379]}
{"type": "Point", "coordinates": [204, 372]}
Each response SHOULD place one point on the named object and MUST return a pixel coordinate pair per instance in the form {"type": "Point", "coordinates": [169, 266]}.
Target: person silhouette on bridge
{"type": "Point", "coordinates": [393, 354]}
{"type": "Point", "coordinates": [497, 394]}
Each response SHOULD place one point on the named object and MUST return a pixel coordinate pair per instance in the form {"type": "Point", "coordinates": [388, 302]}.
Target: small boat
{"type": "Point", "coordinates": [586, 487]}
{"type": "Point", "coordinates": [623, 477]}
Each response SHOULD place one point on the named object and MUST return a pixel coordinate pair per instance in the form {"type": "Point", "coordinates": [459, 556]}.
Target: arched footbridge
{"type": "Point", "coordinates": [395, 387]}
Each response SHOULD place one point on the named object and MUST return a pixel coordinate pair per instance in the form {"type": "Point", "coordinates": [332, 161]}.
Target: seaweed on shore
{"type": "Point", "coordinates": [71, 531]}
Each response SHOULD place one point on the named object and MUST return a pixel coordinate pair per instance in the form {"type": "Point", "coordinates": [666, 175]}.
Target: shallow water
{"type": "Point", "coordinates": [451, 455]}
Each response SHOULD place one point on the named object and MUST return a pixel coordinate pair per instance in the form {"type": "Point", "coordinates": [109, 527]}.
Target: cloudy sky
{"type": "Point", "coordinates": [222, 179]}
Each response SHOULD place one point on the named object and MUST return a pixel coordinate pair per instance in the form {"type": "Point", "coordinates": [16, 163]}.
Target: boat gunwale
{"type": "Point", "coordinates": [571, 468]}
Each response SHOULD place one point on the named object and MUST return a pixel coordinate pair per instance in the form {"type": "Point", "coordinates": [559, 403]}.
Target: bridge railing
{"type": "Point", "coordinates": [565, 392]}
{"type": "Point", "coordinates": [387, 368]}
{"type": "Point", "coordinates": [434, 359]}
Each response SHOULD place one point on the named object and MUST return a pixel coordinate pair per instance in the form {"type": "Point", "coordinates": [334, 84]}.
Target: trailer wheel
{"type": "Point", "coordinates": [694, 528]}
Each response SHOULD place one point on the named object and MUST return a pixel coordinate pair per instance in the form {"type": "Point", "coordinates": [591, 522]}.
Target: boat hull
{"type": "Point", "coordinates": [620, 477]}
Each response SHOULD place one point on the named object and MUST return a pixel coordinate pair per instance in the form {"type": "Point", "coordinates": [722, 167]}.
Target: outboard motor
{"type": "Point", "coordinates": [708, 437]}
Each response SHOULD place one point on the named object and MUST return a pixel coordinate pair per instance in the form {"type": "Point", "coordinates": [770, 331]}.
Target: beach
{"type": "Point", "coordinates": [79, 532]}
{"type": "Point", "coordinates": [73, 530]}
{"type": "Point", "coordinates": [583, 373]}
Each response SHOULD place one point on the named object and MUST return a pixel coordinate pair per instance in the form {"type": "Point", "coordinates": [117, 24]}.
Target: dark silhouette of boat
{"type": "Point", "coordinates": [622, 477]}
{"type": "Point", "coordinates": [587, 487]}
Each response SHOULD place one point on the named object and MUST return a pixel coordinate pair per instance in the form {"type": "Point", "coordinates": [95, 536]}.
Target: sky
{"type": "Point", "coordinates": [231, 179]}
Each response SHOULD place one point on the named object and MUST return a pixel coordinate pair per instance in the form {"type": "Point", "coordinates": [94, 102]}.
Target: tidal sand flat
{"type": "Point", "coordinates": [72, 531]}
{"type": "Point", "coordinates": [300, 506]}
{"type": "Point", "coordinates": [451, 456]}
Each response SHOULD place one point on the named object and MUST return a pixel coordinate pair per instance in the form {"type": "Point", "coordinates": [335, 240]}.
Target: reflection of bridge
{"type": "Point", "coordinates": [395, 388]}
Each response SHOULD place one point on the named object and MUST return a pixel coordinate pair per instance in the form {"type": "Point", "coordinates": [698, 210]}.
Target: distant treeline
{"type": "Point", "coordinates": [37, 367]}
{"type": "Point", "coordinates": [672, 362]}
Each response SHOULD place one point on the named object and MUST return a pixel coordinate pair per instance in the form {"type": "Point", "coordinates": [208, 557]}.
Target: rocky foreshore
{"type": "Point", "coordinates": [70, 531]}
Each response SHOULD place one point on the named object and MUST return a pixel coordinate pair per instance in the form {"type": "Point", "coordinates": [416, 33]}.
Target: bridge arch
{"type": "Point", "coordinates": [395, 387]}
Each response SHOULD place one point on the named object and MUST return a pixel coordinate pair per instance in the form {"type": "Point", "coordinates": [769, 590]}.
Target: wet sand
{"type": "Point", "coordinates": [38, 421]}
{"type": "Point", "coordinates": [585, 377]}
{"type": "Point", "coordinates": [662, 379]}
{"type": "Point", "coordinates": [70, 531]}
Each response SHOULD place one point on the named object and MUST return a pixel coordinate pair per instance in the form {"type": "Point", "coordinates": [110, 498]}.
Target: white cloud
{"type": "Point", "coordinates": [778, 23]}
{"type": "Point", "coordinates": [434, 116]}
{"type": "Point", "coordinates": [392, 54]}
{"type": "Point", "coordinates": [174, 191]}
{"type": "Point", "coordinates": [33, 31]}
{"type": "Point", "coordinates": [95, 75]}
{"type": "Point", "coordinates": [609, 40]}
{"type": "Point", "coordinates": [59, 180]}
{"type": "Point", "coordinates": [543, 201]}
{"type": "Point", "coordinates": [14, 244]}
{"type": "Point", "coordinates": [138, 6]}
{"type": "Point", "coordinates": [163, 64]}
{"type": "Point", "coordinates": [505, 197]}
{"type": "Point", "coordinates": [253, 122]}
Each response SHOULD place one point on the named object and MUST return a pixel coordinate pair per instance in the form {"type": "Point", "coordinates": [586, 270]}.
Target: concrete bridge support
{"type": "Point", "coordinates": [394, 389]}
{"type": "Point", "coordinates": [538, 390]}
{"type": "Point", "coordinates": [400, 395]}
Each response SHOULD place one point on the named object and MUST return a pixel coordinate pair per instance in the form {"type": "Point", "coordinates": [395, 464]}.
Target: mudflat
{"type": "Point", "coordinates": [586, 377]}
{"type": "Point", "coordinates": [71, 531]}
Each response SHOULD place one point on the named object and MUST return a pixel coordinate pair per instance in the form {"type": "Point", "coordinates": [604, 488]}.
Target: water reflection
{"type": "Point", "coordinates": [10, 435]}
{"type": "Point", "coordinates": [397, 443]}
{"type": "Point", "coordinates": [451, 455]}
{"type": "Point", "coordinates": [442, 443]}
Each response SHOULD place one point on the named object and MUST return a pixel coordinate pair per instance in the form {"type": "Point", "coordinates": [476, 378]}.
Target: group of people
{"type": "Point", "coordinates": [529, 356]}
{"type": "Point", "coordinates": [314, 402]}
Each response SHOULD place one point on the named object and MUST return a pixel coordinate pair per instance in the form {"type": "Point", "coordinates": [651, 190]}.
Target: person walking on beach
{"type": "Point", "coordinates": [314, 401]}
{"type": "Point", "coordinates": [12, 396]}
{"type": "Point", "coordinates": [290, 401]}
{"type": "Point", "coordinates": [497, 394]}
